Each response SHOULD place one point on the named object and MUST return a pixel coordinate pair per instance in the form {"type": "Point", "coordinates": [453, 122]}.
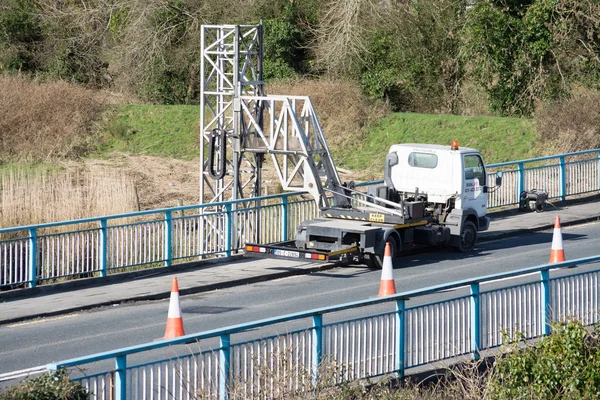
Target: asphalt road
{"type": "Point", "coordinates": [40, 341]}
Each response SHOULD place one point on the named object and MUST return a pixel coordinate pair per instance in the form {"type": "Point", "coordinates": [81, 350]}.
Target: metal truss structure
{"type": "Point", "coordinates": [240, 125]}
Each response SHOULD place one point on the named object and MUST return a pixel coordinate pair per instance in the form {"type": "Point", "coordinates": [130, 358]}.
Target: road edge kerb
{"type": "Point", "coordinates": [517, 232]}
{"type": "Point", "coordinates": [166, 294]}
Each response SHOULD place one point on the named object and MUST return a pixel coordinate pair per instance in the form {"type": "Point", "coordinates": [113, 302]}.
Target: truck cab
{"type": "Point", "coordinates": [450, 182]}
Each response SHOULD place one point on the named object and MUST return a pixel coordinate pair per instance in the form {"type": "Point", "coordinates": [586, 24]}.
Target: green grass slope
{"type": "Point", "coordinates": [158, 130]}
{"type": "Point", "coordinates": [498, 139]}
{"type": "Point", "coordinates": [172, 131]}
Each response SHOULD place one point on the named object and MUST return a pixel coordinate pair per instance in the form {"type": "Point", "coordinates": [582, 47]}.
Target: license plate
{"type": "Point", "coordinates": [287, 253]}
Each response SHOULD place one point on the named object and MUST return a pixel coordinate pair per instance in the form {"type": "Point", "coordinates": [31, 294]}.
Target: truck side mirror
{"type": "Point", "coordinates": [499, 178]}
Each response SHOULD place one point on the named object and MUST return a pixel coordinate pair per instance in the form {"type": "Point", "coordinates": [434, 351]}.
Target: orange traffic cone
{"type": "Point", "coordinates": [387, 285]}
{"type": "Point", "coordinates": [174, 320]}
{"type": "Point", "coordinates": [557, 252]}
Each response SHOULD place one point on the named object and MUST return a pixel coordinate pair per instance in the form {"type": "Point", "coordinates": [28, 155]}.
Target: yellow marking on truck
{"type": "Point", "coordinates": [335, 253]}
{"type": "Point", "coordinates": [410, 224]}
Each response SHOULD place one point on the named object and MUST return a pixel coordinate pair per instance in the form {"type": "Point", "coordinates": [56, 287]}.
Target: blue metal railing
{"type": "Point", "coordinates": [36, 254]}
{"type": "Point", "coordinates": [381, 336]}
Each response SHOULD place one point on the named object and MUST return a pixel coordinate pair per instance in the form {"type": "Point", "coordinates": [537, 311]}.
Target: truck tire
{"type": "Point", "coordinates": [468, 237]}
{"type": "Point", "coordinates": [375, 261]}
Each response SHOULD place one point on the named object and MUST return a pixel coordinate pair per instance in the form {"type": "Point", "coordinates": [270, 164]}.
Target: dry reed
{"type": "Point", "coordinates": [33, 195]}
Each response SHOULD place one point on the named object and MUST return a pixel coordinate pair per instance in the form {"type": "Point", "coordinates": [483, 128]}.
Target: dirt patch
{"type": "Point", "coordinates": [158, 182]}
{"type": "Point", "coordinates": [165, 182]}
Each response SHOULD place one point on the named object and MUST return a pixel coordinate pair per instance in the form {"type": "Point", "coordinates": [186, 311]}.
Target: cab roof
{"type": "Point", "coordinates": [430, 147]}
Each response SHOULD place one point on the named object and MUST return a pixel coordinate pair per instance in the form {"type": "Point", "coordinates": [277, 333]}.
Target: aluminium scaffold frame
{"type": "Point", "coordinates": [240, 125]}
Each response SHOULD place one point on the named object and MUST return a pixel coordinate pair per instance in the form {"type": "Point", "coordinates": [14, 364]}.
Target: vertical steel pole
{"type": "Point", "coordinates": [201, 222]}
{"type": "Point", "coordinates": [121, 378]}
{"type": "Point", "coordinates": [168, 238]}
{"type": "Point", "coordinates": [224, 356]}
{"type": "Point", "coordinates": [32, 257]}
{"type": "Point", "coordinates": [103, 247]}
{"type": "Point", "coordinates": [400, 336]}
{"type": "Point", "coordinates": [545, 315]}
{"type": "Point", "coordinates": [475, 321]}
{"type": "Point", "coordinates": [317, 346]}
{"type": "Point", "coordinates": [202, 105]}
{"type": "Point", "coordinates": [236, 136]}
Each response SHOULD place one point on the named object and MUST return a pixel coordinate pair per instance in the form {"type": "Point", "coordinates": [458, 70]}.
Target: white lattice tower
{"type": "Point", "coordinates": [240, 125]}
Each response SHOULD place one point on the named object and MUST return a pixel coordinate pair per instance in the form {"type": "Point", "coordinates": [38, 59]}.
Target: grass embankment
{"type": "Point", "coordinates": [498, 139]}
{"type": "Point", "coordinates": [60, 141]}
{"type": "Point", "coordinates": [172, 131]}
{"type": "Point", "coordinates": [158, 130]}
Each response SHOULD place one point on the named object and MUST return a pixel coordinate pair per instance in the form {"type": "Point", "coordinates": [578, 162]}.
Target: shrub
{"type": "Point", "coordinates": [52, 386]}
{"type": "Point", "coordinates": [570, 125]}
{"type": "Point", "coordinates": [522, 52]}
{"type": "Point", "coordinates": [412, 59]}
{"type": "Point", "coordinates": [565, 364]}
{"type": "Point", "coordinates": [20, 36]}
{"type": "Point", "coordinates": [44, 121]}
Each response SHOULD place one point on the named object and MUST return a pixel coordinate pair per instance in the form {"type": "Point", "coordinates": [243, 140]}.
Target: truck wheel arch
{"type": "Point", "coordinates": [375, 260]}
{"type": "Point", "coordinates": [472, 216]}
{"type": "Point", "coordinates": [470, 222]}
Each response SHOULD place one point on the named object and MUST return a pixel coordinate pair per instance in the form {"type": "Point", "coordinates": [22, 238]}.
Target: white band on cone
{"type": "Point", "coordinates": [174, 310]}
{"type": "Point", "coordinates": [557, 242]}
{"type": "Point", "coordinates": [386, 270]}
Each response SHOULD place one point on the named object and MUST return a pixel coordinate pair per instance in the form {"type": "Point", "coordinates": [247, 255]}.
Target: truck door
{"type": "Point", "coordinates": [474, 193]}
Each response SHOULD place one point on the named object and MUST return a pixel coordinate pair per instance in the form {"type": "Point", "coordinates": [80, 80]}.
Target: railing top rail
{"type": "Point", "coordinates": [530, 160]}
{"type": "Point", "coordinates": [319, 311]}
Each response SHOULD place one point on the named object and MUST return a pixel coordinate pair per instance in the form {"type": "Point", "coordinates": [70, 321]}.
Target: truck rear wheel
{"type": "Point", "coordinates": [468, 237]}
{"type": "Point", "coordinates": [375, 261]}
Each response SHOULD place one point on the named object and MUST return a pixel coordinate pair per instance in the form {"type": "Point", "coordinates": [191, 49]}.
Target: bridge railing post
{"type": "Point", "coordinates": [545, 311]}
{"type": "Point", "coordinates": [598, 166]}
{"type": "Point", "coordinates": [120, 389]}
{"type": "Point", "coordinates": [229, 231]}
{"type": "Point", "coordinates": [284, 218]}
{"type": "Point", "coordinates": [317, 346]}
{"type": "Point", "coordinates": [224, 366]}
{"type": "Point", "coordinates": [475, 321]}
{"type": "Point", "coordinates": [168, 251]}
{"type": "Point", "coordinates": [32, 257]}
{"type": "Point", "coordinates": [103, 247]}
{"type": "Point", "coordinates": [400, 336]}
{"type": "Point", "coordinates": [563, 178]}
{"type": "Point", "coordinates": [521, 181]}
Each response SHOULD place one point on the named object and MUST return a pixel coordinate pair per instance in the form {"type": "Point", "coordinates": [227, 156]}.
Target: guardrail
{"type": "Point", "coordinates": [350, 341]}
{"type": "Point", "coordinates": [96, 247]}
{"type": "Point", "coordinates": [561, 176]}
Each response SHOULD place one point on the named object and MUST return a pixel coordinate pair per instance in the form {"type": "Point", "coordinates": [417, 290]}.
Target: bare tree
{"type": "Point", "coordinates": [342, 34]}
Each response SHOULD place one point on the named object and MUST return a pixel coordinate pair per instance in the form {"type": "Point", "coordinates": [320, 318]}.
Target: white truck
{"type": "Point", "coordinates": [432, 195]}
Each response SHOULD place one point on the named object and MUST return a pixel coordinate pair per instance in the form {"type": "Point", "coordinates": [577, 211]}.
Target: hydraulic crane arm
{"type": "Point", "coordinates": [291, 134]}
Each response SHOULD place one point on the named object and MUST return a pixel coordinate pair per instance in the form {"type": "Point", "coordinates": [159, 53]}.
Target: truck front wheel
{"type": "Point", "coordinates": [375, 261]}
{"type": "Point", "coordinates": [468, 237]}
